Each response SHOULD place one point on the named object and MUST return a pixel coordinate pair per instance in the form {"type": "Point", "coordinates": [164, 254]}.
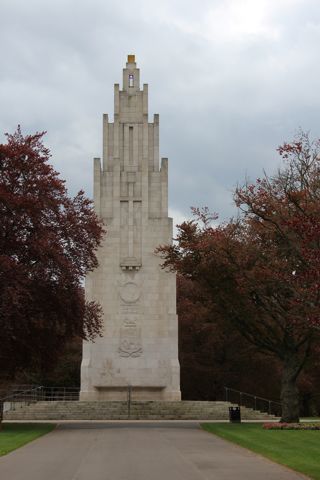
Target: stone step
{"type": "Point", "coordinates": [184, 410]}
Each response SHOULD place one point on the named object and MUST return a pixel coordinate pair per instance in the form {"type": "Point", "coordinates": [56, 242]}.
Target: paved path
{"type": "Point", "coordinates": [175, 451]}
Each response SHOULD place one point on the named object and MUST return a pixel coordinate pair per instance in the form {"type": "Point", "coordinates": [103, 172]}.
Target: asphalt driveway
{"type": "Point", "coordinates": [136, 451]}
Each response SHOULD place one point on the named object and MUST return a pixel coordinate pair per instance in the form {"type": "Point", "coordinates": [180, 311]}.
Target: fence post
{"type": "Point", "coordinates": [255, 403]}
{"type": "Point", "coordinates": [129, 400]}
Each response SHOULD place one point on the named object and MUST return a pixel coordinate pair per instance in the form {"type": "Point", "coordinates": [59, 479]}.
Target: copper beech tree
{"type": "Point", "coordinates": [262, 270]}
{"type": "Point", "coordinates": [214, 354]}
{"type": "Point", "coordinates": [47, 245]}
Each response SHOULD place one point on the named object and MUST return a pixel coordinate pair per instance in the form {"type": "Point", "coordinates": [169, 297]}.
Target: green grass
{"type": "Point", "coordinates": [299, 450]}
{"type": "Point", "coordinates": [15, 435]}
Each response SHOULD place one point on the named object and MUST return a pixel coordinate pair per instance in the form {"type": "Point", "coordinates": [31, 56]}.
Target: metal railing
{"type": "Point", "coordinates": [64, 394]}
{"type": "Point", "coordinates": [19, 398]}
{"type": "Point", "coordinates": [129, 394]}
{"type": "Point", "coordinates": [48, 394]}
{"type": "Point", "coordinates": [255, 402]}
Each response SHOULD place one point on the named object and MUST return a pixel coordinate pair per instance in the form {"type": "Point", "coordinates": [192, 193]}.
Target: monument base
{"type": "Point", "coordinates": [137, 394]}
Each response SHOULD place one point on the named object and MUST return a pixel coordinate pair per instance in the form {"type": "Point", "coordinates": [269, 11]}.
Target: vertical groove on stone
{"type": "Point", "coordinates": [105, 140]}
{"type": "Point", "coordinates": [156, 143]}
{"type": "Point", "coordinates": [124, 230]}
{"type": "Point", "coordinates": [126, 160]}
{"type": "Point", "coordinates": [97, 185]}
{"type": "Point", "coordinates": [131, 162]}
{"type": "Point", "coordinates": [164, 187]}
{"type": "Point", "coordinates": [110, 147]}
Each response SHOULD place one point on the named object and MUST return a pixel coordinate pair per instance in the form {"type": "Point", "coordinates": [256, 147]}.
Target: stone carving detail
{"type": "Point", "coordinates": [130, 340]}
{"type": "Point", "coordinates": [130, 292]}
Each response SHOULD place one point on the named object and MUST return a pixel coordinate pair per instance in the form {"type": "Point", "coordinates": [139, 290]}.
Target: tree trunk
{"type": "Point", "coordinates": [1, 413]}
{"type": "Point", "coordinates": [289, 390]}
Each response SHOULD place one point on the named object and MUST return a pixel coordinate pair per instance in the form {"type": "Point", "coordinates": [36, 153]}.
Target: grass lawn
{"type": "Point", "coordinates": [14, 435]}
{"type": "Point", "coordinates": [299, 450]}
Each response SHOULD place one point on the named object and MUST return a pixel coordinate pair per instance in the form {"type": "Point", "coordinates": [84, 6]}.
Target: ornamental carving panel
{"type": "Point", "coordinates": [130, 340]}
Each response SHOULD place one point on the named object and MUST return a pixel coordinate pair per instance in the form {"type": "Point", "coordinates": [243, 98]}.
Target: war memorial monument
{"type": "Point", "coordinates": [132, 371]}
{"type": "Point", "coordinates": [139, 346]}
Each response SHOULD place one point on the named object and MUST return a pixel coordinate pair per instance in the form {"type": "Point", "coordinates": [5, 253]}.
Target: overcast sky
{"type": "Point", "coordinates": [231, 80]}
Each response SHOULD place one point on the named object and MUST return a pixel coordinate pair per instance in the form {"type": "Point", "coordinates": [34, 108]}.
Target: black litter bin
{"type": "Point", "coordinates": [234, 415]}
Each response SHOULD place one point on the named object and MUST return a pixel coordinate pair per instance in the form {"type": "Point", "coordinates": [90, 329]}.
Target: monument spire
{"type": "Point", "coordinates": [140, 342]}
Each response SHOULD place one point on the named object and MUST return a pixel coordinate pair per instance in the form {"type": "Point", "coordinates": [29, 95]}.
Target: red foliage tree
{"type": "Point", "coordinates": [213, 354]}
{"type": "Point", "coordinates": [262, 270]}
{"type": "Point", "coordinates": [47, 245]}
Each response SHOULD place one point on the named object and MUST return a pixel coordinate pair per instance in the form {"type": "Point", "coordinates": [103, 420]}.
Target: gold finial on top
{"type": "Point", "coordinates": [131, 58]}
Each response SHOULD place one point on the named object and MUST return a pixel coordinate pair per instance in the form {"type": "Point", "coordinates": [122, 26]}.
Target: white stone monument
{"type": "Point", "coordinates": [139, 347]}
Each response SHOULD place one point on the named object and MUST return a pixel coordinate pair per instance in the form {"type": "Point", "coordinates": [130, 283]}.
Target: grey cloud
{"type": "Point", "coordinates": [225, 101]}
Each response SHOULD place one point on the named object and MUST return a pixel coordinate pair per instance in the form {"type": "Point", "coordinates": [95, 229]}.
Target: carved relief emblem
{"type": "Point", "coordinates": [130, 340]}
{"type": "Point", "coordinates": [130, 292]}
